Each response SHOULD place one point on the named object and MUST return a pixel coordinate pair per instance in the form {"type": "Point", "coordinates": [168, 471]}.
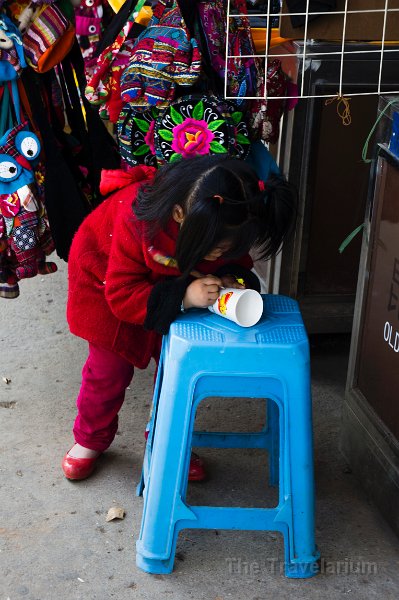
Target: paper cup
{"type": "Point", "coordinates": [244, 307]}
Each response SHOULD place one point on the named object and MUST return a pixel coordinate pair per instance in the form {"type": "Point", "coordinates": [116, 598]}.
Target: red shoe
{"type": "Point", "coordinates": [78, 468]}
{"type": "Point", "coordinates": [196, 470]}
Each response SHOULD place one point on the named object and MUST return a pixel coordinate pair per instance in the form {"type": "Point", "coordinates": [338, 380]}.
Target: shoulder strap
{"type": "Point", "coordinates": [116, 25]}
{"type": "Point", "coordinates": [5, 113]}
{"type": "Point", "coordinates": [15, 100]}
{"type": "Point", "coordinates": [10, 105]}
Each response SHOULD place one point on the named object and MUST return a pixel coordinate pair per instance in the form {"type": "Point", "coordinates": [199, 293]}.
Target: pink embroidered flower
{"type": "Point", "coordinates": [192, 137]}
{"type": "Point", "coordinates": [149, 138]}
{"type": "Point", "coordinates": [9, 205]}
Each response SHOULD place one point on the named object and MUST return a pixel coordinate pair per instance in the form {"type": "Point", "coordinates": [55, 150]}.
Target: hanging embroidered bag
{"type": "Point", "coordinates": [103, 88]}
{"type": "Point", "coordinates": [48, 39]}
{"type": "Point", "coordinates": [163, 57]}
{"type": "Point", "coordinates": [25, 238]}
{"type": "Point", "coordinates": [197, 125]}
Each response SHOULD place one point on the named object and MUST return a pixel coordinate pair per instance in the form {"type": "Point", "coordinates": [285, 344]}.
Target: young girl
{"type": "Point", "coordinates": [164, 243]}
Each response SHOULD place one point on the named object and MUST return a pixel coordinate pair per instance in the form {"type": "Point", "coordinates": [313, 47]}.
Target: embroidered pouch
{"type": "Point", "coordinates": [48, 39]}
{"type": "Point", "coordinates": [196, 125]}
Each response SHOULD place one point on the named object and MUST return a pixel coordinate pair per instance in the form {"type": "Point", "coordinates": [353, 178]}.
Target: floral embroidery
{"type": "Point", "coordinates": [10, 204]}
{"type": "Point", "coordinates": [200, 125]}
{"type": "Point", "coordinates": [149, 137]}
{"type": "Point", "coordinates": [192, 137]}
{"type": "Point", "coordinates": [135, 133]}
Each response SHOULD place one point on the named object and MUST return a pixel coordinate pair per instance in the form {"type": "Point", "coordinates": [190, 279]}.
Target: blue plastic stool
{"type": "Point", "coordinates": [205, 355]}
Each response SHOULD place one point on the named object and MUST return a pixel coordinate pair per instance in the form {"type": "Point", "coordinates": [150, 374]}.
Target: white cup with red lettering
{"type": "Point", "coordinates": [244, 307]}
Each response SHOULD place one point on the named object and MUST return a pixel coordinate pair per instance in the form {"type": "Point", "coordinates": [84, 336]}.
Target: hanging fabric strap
{"type": "Point", "coordinates": [10, 104]}
{"type": "Point", "coordinates": [15, 100]}
{"type": "Point", "coordinates": [5, 113]}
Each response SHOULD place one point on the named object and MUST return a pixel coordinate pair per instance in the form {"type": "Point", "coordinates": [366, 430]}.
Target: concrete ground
{"type": "Point", "coordinates": [55, 541]}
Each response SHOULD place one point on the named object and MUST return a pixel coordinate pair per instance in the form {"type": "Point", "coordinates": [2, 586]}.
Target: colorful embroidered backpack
{"type": "Point", "coordinates": [163, 57]}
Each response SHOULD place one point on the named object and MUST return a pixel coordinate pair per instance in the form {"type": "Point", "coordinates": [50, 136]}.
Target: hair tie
{"type": "Point", "coordinates": [261, 185]}
{"type": "Point", "coordinates": [218, 197]}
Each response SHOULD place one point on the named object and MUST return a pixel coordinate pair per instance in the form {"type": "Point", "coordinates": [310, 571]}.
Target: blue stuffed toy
{"type": "Point", "coordinates": [25, 238]}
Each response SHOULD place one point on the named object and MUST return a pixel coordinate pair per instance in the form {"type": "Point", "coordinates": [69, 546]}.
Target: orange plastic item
{"type": "Point", "coordinates": [259, 35]}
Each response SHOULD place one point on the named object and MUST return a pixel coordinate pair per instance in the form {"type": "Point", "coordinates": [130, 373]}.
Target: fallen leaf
{"type": "Point", "coordinates": [7, 404]}
{"type": "Point", "coordinates": [115, 512]}
{"type": "Point", "coordinates": [6, 380]}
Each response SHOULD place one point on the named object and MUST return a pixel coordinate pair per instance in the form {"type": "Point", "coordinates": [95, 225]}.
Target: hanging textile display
{"type": "Point", "coordinates": [53, 144]}
{"type": "Point", "coordinates": [191, 125]}
{"type": "Point", "coordinates": [156, 70]}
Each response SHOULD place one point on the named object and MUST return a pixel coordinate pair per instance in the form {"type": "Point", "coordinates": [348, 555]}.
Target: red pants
{"type": "Point", "coordinates": [105, 377]}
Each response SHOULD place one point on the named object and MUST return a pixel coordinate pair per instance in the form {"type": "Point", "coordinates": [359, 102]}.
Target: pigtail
{"type": "Point", "coordinates": [274, 207]}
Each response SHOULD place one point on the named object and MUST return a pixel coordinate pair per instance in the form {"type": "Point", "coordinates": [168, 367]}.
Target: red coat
{"type": "Point", "coordinates": [111, 272]}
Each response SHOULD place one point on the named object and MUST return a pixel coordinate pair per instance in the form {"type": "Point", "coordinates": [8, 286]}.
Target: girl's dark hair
{"type": "Point", "coordinates": [247, 216]}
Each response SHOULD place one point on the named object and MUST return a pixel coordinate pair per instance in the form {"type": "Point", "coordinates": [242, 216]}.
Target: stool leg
{"type": "Point", "coordinates": [163, 504]}
{"type": "Point", "coordinates": [273, 428]}
{"type": "Point", "coordinates": [300, 549]}
{"type": "Point", "coordinates": [152, 417]}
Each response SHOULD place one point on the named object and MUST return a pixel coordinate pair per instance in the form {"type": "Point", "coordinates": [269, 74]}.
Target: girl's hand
{"type": "Point", "coordinates": [202, 292]}
{"type": "Point", "coordinates": [228, 281]}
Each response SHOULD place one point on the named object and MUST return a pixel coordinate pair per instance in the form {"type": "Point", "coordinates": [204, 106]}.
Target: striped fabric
{"type": "Point", "coordinates": [44, 32]}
